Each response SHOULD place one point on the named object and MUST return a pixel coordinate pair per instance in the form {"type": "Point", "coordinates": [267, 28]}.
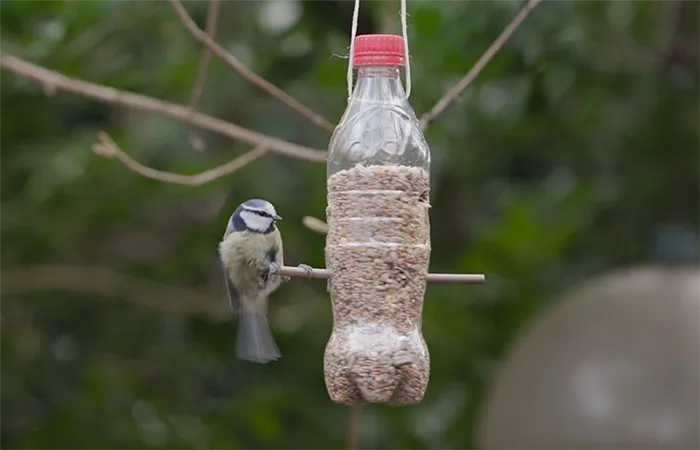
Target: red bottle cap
{"type": "Point", "coordinates": [378, 50]}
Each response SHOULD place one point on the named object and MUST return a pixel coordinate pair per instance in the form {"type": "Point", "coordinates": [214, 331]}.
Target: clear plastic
{"type": "Point", "coordinates": [379, 127]}
{"type": "Point", "coordinates": [377, 246]}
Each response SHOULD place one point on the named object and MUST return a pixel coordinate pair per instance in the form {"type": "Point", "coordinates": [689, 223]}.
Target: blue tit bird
{"type": "Point", "coordinates": [251, 254]}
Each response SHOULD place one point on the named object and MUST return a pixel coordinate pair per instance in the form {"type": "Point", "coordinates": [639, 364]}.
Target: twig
{"type": "Point", "coordinates": [52, 81]}
{"type": "Point", "coordinates": [314, 224]}
{"type": "Point", "coordinates": [107, 148]}
{"type": "Point", "coordinates": [454, 93]}
{"type": "Point", "coordinates": [671, 16]}
{"type": "Point", "coordinates": [245, 72]}
{"type": "Point", "coordinates": [106, 283]}
{"type": "Point", "coordinates": [388, 17]}
{"type": "Point", "coordinates": [354, 420]}
{"type": "Point", "coordinates": [438, 278]}
{"type": "Point", "coordinates": [198, 90]}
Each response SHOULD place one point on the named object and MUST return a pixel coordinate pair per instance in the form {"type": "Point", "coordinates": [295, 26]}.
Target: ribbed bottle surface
{"type": "Point", "coordinates": [378, 241]}
{"type": "Point", "coordinates": [378, 250]}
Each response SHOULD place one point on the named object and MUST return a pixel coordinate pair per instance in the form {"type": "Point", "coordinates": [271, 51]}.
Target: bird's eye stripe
{"type": "Point", "coordinates": [258, 212]}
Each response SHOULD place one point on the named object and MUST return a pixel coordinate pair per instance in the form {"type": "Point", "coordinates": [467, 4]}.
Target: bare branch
{"type": "Point", "coordinates": [354, 420]}
{"type": "Point", "coordinates": [106, 283]}
{"type": "Point", "coordinates": [106, 147]}
{"type": "Point", "coordinates": [52, 81]}
{"type": "Point", "coordinates": [672, 12]}
{"type": "Point", "coordinates": [438, 278]}
{"type": "Point", "coordinates": [198, 90]}
{"type": "Point", "coordinates": [203, 38]}
{"type": "Point", "coordinates": [388, 18]}
{"type": "Point", "coordinates": [454, 93]}
{"type": "Point", "coordinates": [314, 224]}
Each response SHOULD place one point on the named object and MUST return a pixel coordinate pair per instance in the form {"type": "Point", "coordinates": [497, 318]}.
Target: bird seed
{"type": "Point", "coordinates": [378, 251]}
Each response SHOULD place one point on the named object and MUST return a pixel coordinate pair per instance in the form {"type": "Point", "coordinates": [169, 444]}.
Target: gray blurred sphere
{"type": "Point", "coordinates": [614, 364]}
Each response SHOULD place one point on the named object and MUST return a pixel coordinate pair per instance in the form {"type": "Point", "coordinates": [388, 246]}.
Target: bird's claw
{"type": "Point", "coordinates": [308, 269]}
{"type": "Point", "coordinates": [274, 268]}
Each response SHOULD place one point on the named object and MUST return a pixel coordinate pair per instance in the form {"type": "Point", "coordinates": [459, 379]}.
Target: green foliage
{"type": "Point", "coordinates": [572, 147]}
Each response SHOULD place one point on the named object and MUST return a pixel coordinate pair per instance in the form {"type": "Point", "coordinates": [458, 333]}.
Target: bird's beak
{"type": "Point", "coordinates": [277, 217]}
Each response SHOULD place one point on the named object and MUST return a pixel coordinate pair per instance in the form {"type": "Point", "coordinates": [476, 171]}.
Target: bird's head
{"type": "Point", "coordinates": [257, 216]}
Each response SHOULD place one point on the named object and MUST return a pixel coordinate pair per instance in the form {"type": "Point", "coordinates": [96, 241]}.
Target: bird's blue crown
{"type": "Point", "coordinates": [255, 215]}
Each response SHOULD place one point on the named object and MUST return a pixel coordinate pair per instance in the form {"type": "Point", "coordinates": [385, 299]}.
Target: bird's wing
{"type": "Point", "coordinates": [280, 247]}
{"type": "Point", "coordinates": [233, 294]}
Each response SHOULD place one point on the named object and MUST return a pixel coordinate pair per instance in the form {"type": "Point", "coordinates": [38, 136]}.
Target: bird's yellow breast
{"type": "Point", "coordinates": [245, 255]}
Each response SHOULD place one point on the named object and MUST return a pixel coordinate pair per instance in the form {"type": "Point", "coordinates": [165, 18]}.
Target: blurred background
{"type": "Point", "coordinates": [567, 173]}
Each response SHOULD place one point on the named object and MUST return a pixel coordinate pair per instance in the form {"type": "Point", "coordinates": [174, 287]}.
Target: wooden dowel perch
{"type": "Point", "coordinates": [321, 227]}
{"type": "Point", "coordinates": [441, 278]}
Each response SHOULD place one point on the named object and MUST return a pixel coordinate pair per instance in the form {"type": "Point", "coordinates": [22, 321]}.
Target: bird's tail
{"type": "Point", "coordinates": [255, 341]}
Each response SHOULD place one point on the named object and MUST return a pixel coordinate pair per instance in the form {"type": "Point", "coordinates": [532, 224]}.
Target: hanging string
{"type": "Point", "coordinates": [407, 58]}
{"type": "Point", "coordinates": [404, 33]}
{"type": "Point", "coordinates": [353, 33]}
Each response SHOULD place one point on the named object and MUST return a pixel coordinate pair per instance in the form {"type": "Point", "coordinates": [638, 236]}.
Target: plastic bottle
{"type": "Point", "coordinates": [378, 243]}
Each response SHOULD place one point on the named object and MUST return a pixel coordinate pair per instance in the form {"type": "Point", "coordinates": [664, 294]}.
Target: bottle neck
{"type": "Point", "coordinates": [379, 83]}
